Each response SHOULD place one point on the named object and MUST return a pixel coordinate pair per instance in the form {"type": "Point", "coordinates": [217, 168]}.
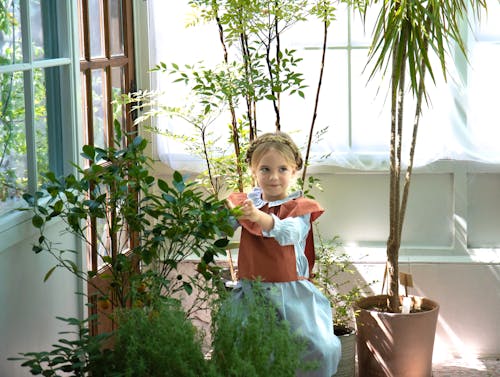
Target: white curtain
{"type": "Point", "coordinates": [462, 121]}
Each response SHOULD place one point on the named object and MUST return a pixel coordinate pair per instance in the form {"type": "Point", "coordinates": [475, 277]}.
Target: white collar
{"type": "Point", "coordinates": [256, 196]}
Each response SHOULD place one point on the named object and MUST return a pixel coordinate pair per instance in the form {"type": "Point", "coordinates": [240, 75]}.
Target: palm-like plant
{"type": "Point", "coordinates": [406, 34]}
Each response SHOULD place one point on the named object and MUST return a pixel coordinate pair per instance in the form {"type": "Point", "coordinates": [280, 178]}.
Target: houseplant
{"type": "Point", "coordinates": [334, 276]}
{"type": "Point", "coordinates": [405, 35]}
{"type": "Point", "coordinates": [153, 225]}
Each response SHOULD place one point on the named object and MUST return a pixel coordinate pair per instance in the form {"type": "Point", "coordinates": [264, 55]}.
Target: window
{"type": "Point", "coordinates": [457, 154]}
{"type": "Point", "coordinates": [355, 112]}
{"type": "Point", "coordinates": [35, 87]}
{"type": "Point", "coordinates": [106, 71]}
{"type": "Point", "coordinates": [106, 65]}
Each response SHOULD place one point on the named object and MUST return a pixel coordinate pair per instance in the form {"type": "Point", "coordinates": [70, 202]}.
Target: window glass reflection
{"type": "Point", "coordinates": [13, 162]}
{"type": "Point", "coordinates": [115, 28]}
{"type": "Point", "coordinates": [10, 33]}
{"type": "Point", "coordinates": [96, 28]}
{"type": "Point", "coordinates": [36, 21]}
{"type": "Point", "coordinates": [99, 101]}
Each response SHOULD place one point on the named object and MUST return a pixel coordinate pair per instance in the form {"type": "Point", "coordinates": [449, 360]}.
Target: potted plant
{"type": "Point", "coordinates": [405, 35]}
{"type": "Point", "coordinates": [153, 227]}
{"type": "Point", "coordinates": [333, 275]}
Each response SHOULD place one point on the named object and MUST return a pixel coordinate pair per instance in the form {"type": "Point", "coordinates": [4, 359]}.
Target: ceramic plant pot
{"type": "Point", "coordinates": [395, 344]}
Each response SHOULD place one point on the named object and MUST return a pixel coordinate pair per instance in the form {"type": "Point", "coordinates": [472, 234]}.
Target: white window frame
{"type": "Point", "coordinates": [15, 225]}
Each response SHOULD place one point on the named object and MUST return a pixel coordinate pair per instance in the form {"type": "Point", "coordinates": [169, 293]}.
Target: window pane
{"type": "Point", "coordinates": [13, 163]}
{"type": "Point", "coordinates": [83, 87]}
{"type": "Point", "coordinates": [41, 135]}
{"type": "Point", "coordinates": [99, 101]}
{"type": "Point", "coordinates": [103, 241]}
{"type": "Point", "coordinates": [80, 30]}
{"type": "Point", "coordinates": [96, 28]}
{"type": "Point", "coordinates": [361, 30]}
{"type": "Point", "coordinates": [36, 30]}
{"type": "Point", "coordinates": [10, 33]}
{"type": "Point", "coordinates": [370, 107]}
{"type": "Point", "coordinates": [117, 88]}
{"type": "Point", "coordinates": [484, 80]}
{"type": "Point", "coordinates": [115, 28]}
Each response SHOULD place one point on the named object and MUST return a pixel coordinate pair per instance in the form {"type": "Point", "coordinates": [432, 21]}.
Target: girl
{"type": "Point", "coordinates": [276, 247]}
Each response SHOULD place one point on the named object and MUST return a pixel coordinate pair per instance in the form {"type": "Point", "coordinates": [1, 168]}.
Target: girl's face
{"type": "Point", "coordinates": [273, 174]}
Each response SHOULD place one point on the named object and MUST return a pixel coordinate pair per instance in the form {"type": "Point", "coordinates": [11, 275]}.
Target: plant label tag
{"type": "Point", "coordinates": [406, 279]}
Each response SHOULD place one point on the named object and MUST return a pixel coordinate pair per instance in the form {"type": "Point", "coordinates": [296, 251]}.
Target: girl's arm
{"type": "Point", "coordinates": [290, 231]}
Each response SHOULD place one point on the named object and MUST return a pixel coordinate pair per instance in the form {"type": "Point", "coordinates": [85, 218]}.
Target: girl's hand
{"type": "Point", "coordinates": [251, 213]}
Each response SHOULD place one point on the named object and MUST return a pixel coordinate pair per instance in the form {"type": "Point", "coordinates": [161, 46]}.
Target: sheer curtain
{"type": "Point", "coordinates": [461, 122]}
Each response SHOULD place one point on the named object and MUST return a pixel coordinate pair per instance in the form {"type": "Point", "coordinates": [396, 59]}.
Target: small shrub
{"type": "Point", "coordinates": [158, 342]}
{"type": "Point", "coordinates": [250, 340]}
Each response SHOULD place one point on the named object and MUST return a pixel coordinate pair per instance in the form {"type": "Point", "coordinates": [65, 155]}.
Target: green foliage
{"type": "Point", "coordinates": [250, 340]}
{"type": "Point", "coordinates": [77, 354]}
{"type": "Point", "coordinates": [152, 227]}
{"type": "Point", "coordinates": [157, 343]}
{"type": "Point", "coordinates": [169, 222]}
{"type": "Point", "coordinates": [254, 68]}
{"type": "Point", "coordinates": [405, 35]}
{"type": "Point", "coordinates": [333, 276]}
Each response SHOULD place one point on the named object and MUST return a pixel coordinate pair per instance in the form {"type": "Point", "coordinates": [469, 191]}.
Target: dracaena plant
{"type": "Point", "coordinates": [406, 35]}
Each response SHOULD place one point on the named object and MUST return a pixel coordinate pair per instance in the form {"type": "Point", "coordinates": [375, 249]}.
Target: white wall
{"type": "Point", "coordinates": [452, 229]}
{"type": "Point", "coordinates": [28, 306]}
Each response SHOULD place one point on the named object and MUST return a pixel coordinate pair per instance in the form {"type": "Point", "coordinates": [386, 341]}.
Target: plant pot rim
{"type": "Point", "coordinates": [363, 303]}
{"type": "Point", "coordinates": [349, 330]}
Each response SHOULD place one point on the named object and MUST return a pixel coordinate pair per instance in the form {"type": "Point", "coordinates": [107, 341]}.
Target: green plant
{"type": "Point", "coordinates": [158, 342]}
{"type": "Point", "coordinates": [151, 224]}
{"type": "Point", "coordinates": [152, 227]}
{"type": "Point", "coordinates": [251, 340]}
{"type": "Point", "coordinates": [333, 275]}
{"type": "Point", "coordinates": [255, 68]}
{"type": "Point", "coordinates": [405, 35]}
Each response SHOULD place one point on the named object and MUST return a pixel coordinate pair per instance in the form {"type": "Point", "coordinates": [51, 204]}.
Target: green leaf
{"type": "Point", "coordinates": [28, 198]}
{"type": "Point", "coordinates": [179, 182]}
{"type": "Point", "coordinates": [222, 242]}
{"type": "Point", "coordinates": [37, 221]}
{"type": "Point", "coordinates": [58, 206]}
{"type": "Point", "coordinates": [73, 265]}
{"type": "Point", "coordinates": [49, 273]}
{"type": "Point", "coordinates": [88, 152]}
{"type": "Point", "coordinates": [187, 287]}
{"type": "Point", "coordinates": [163, 185]}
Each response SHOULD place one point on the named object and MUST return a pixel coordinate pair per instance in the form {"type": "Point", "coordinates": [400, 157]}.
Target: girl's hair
{"type": "Point", "coordinates": [279, 141]}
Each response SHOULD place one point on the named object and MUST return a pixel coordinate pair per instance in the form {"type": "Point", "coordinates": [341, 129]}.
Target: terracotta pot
{"type": "Point", "coordinates": [347, 363]}
{"type": "Point", "coordinates": [395, 344]}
